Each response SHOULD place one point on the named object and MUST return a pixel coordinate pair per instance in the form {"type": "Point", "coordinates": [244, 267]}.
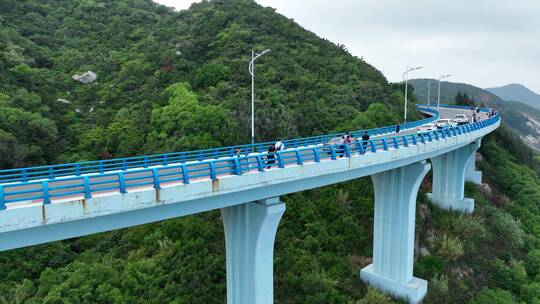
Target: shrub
{"type": "Point", "coordinates": [450, 248]}
{"type": "Point", "coordinates": [508, 227]}
{"type": "Point", "coordinates": [509, 276]}
{"type": "Point", "coordinates": [438, 291]}
{"type": "Point", "coordinates": [429, 266]}
{"type": "Point", "coordinates": [374, 296]}
{"type": "Point", "coordinates": [532, 263]}
{"type": "Point", "coordinates": [493, 296]}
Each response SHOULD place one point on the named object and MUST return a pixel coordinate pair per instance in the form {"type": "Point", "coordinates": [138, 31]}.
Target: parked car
{"type": "Point", "coordinates": [461, 119]}
{"type": "Point", "coordinates": [446, 123]}
{"type": "Point", "coordinates": [426, 128]}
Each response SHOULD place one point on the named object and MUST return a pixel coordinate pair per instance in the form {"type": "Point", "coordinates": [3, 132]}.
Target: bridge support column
{"type": "Point", "coordinates": [449, 179]}
{"type": "Point", "coordinates": [250, 231]}
{"type": "Point", "coordinates": [471, 175]}
{"type": "Point", "coordinates": [393, 237]}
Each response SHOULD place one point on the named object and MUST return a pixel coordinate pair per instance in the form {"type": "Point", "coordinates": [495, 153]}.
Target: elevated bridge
{"type": "Point", "coordinates": [49, 203]}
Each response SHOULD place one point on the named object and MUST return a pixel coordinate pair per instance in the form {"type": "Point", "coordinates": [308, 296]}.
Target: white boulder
{"type": "Point", "coordinates": [85, 78]}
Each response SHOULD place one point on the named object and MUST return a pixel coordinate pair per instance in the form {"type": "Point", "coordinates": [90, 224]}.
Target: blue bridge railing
{"type": "Point", "coordinates": [185, 172]}
{"type": "Point", "coordinates": [103, 166]}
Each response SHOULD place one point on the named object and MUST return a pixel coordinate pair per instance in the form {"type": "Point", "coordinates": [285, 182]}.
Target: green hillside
{"type": "Point", "coordinates": [305, 86]}
{"type": "Point", "coordinates": [170, 81]}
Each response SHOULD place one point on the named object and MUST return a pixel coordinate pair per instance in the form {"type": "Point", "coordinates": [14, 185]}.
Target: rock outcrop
{"type": "Point", "coordinates": [85, 78]}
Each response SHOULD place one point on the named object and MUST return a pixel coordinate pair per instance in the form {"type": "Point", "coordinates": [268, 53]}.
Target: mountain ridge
{"type": "Point", "coordinates": [517, 92]}
{"type": "Point", "coordinates": [520, 117]}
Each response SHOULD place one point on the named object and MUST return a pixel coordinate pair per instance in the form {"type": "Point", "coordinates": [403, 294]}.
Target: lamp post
{"type": "Point", "coordinates": [406, 78]}
{"type": "Point", "coordinates": [251, 69]}
{"type": "Point", "coordinates": [428, 93]}
{"type": "Point", "coordinates": [439, 92]}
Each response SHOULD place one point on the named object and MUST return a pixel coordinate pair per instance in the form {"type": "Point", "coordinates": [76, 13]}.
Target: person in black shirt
{"type": "Point", "coordinates": [271, 158]}
{"type": "Point", "coordinates": [365, 139]}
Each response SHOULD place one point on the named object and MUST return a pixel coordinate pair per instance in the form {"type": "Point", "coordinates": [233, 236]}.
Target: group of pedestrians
{"type": "Point", "coordinates": [476, 115]}
{"type": "Point", "coordinates": [279, 146]}
{"type": "Point", "coordinates": [271, 156]}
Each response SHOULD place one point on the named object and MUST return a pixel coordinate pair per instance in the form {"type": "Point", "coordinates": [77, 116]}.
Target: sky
{"type": "Point", "coordinates": [485, 43]}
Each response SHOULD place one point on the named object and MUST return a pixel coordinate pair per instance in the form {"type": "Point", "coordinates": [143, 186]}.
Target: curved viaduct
{"type": "Point", "coordinates": [49, 203]}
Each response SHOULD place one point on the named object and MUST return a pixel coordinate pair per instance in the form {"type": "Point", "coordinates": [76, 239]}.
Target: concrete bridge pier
{"type": "Point", "coordinates": [393, 237]}
{"type": "Point", "coordinates": [250, 231]}
{"type": "Point", "coordinates": [449, 171]}
{"type": "Point", "coordinates": [471, 175]}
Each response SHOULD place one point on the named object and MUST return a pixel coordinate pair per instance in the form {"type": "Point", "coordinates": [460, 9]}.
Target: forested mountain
{"type": "Point", "coordinates": [139, 49]}
{"type": "Point", "coordinates": [169, 81]}
{"type": "Point", "coordinates": [520, 117]}
{"type": "Point", "coordinates": [517, 92]}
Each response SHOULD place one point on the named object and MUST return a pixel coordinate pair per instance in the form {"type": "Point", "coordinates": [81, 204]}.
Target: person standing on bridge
{"type": "Point", "coordinates": [345, 140]}
{"type": "Point", "coordinates": [365, 139]}
{"type": "Point", "coordinates": [237, 151]}
{"type": "Point", "coordinates": [270, 157]}
{"type": "Point", "coordinates": [279, 146]}
{"type": "Point", "coordinates": [398, 127]}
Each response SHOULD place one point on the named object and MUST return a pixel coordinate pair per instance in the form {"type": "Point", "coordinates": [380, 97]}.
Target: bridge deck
{"type": "Point", "coordinates": [103, 201]}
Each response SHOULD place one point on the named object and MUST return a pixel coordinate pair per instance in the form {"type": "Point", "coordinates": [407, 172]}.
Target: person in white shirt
{"type": "Point", "coordinates": [279, 146]}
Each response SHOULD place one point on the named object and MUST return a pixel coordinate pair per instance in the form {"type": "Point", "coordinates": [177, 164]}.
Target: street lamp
{"type": "Point", "coordinates": [428, 92]}
{"type": "Point", "coordinates": [405, 77]}
{"type": "Point", "coordinates": [251, 69]}
{"type": "Point", "coordinates": [439, 93]}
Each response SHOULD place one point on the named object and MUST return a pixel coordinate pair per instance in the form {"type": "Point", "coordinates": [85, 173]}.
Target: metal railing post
{"type": "Point", "coordinates": [299, 159]}
{"type": "Point", "coordinates": [185, 175]}
{"type": "Point", "coordinates": [87, 193]}
{"type": "Point", "coordinates": [332, 152]}
{"type": "Point", "coordinates": [45, 189]}
{"type": "Point", "coordinates": [165, 160]}
{"type": "Point", "coordinates": [316, 157]}
{"type": "Point", "coordinates": [155, 176]}
{"type": "Point", "coordinates": [347, 150]}
{"type": "Point", "coordinates": [2, 198]}
{"type": "Point", "coordinates": [384, 144]}
{"type": "Point", "coordinates": [145, 162]}
{"type": "Point", "coordinates": [396, 144]}
{"type": "Point", "coordinates": [24, 176]}
{"type": "Point", "coordinates": [373, 146]}
{"type": "Point", "coordinates": [281, 163]}
{"type": "Point", "coordinates": [121, 182]}
{"type": "Point", "coordinates": [237, 168]}
{"type": "Point", "coordinates": [212, 167]}
{"type": "Point", "coordinates": [260, 163]}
